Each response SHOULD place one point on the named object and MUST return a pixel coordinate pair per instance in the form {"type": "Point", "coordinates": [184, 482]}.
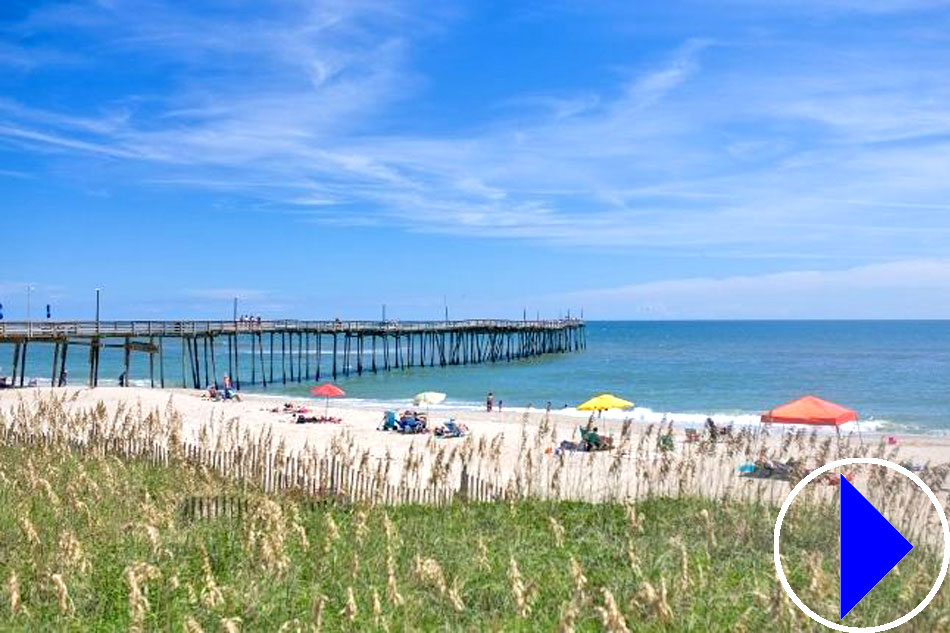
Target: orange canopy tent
{"type": "Point", "coordinates": [810, 410]}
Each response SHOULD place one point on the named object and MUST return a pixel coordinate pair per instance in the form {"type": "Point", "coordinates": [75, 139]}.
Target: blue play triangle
{"type": "Point", "coordinates": [870, 547]}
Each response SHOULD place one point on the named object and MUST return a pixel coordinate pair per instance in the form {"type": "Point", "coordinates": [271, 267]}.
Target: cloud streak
{"type": "Point", "coordinates": [763, 144]}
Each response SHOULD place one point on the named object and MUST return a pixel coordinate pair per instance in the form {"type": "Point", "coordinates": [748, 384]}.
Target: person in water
{"type": "Point", "coordinates": [489, 401]}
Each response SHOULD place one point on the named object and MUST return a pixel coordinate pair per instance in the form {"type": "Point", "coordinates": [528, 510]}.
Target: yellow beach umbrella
{"type": "Point", "coordinates": [603, 402]}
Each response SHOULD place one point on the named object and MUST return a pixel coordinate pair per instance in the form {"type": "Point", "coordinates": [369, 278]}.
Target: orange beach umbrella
{"type": "Point", "coordinates": [810, 410]}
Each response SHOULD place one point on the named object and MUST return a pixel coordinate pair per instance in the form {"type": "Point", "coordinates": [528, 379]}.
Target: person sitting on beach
{"type": "Point", "coordinates": [591, 439]}
{"type": "Point", "coordinates": [212, 393]}
{"type": "Point", "coordinates": [716, 431]}
{"type": "Point", "coordinates": [596, 439]}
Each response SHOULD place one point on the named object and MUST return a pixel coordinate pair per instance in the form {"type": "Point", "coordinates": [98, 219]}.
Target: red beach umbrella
{"type": "Point", "coordinates": [327, 390]}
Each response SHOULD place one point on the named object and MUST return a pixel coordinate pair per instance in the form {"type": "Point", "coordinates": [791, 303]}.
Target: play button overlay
{"type": "Point", "coordinates": [870, 547]}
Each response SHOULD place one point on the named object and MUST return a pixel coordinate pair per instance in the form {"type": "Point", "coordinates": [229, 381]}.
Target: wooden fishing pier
{"type": "Point", "coordinates": [286, 350]}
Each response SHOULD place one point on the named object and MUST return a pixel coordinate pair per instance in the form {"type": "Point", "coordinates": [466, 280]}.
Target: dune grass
{"type": "Point", "coordinates": [95, 543]}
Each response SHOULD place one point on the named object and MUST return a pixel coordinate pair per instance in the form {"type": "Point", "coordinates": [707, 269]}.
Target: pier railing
{"type": "Point", "coordinates": [58, 329]}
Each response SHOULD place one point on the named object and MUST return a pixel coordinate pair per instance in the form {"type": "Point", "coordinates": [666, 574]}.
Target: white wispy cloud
{"type": "Point", "coordinates": [911, 289]}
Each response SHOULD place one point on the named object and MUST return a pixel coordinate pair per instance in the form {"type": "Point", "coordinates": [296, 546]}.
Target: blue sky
{"type": "Point", "coordinates": [729, 159]}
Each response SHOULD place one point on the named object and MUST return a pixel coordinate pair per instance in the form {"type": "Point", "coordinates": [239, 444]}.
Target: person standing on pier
{"type": "Point", "coordinates": [490, 401]}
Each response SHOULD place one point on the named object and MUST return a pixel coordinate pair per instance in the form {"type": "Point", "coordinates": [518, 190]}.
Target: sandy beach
{"type": "Point", "coordinates": [360, 423]}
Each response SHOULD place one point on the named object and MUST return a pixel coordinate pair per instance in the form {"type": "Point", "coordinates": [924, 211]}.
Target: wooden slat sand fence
{"type": "Point", "coordinates": [337, 478]}
{"type": "Point", "coordinates": [316, 478]}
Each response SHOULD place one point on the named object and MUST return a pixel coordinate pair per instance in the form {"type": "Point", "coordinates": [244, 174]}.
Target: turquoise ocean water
{"type": "Point", "coordinates": [895, 373]}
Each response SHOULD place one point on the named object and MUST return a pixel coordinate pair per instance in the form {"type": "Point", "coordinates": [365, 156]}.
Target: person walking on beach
{"type": "Point", "coordinates": [490, 401]}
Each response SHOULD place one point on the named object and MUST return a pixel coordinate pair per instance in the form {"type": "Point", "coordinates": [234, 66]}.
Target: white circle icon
{"type": "Point", "coordinates": [848, 462]}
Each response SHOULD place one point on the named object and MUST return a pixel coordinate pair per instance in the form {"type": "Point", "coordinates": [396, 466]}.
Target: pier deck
{"type": "Point", "coordinates": [291, 345]}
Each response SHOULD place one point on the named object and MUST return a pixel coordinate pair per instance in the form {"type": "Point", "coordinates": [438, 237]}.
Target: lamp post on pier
{"type": "Point", "coordinates": [97, 309]}
{"type": "Point", "coordinates": [29, 318]}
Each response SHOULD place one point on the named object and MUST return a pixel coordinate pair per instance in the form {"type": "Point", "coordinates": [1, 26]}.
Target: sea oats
{"type": "Point", "coordinates": [557, 530]}
{"type": "Point", "coordinates": [332, 533]}
{"type": "Point", "coordinates": [316, 610]}
{"type": "Point", "coordinates": [377, 609]}
{"type": "Point", "coordinates": [610, 614]}
{"type": "Point", "coordinates": [211, 595]}
{"type": "Point", "coordinates": [349, 609]}
{"type": "Point", "coordinates": [518, 589]}
{"type": "Point", "coordinates": [62, 594]}
{"type": "Point", "coordinates": [13, 593]}
{"type": "Point", "coordinates": [29, 531]}
{"type": "Point", "coordinates": [454, 595]}
{"type": "Point", "coordinates": [231, 625]}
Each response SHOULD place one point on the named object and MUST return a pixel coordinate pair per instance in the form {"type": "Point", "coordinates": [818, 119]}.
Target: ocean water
{"type": "Point", "coordinates": [896, 374]}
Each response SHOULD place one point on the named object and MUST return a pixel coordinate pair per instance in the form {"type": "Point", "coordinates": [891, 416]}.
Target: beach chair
{"type": "Point", "coordinates": [568, 446]}
{"type": "Point", "coordinates": [450, 430]}
{"type": "Point", "coordinates": [389, 422]}
{"type": "Point", "coordinates": [770, 469]}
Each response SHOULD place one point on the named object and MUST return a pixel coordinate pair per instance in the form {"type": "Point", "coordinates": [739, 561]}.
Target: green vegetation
{"type": "Point", "coordinates": [94, 543]}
